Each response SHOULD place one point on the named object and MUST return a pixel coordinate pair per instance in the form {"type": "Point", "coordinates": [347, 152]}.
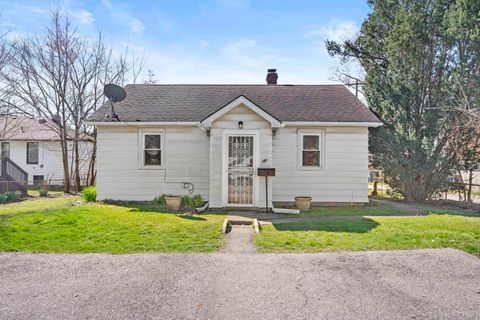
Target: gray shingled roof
{"type": "Point", "coordinates": [18, 128]}
{"type": "Point", "coordinates": [156, 103]}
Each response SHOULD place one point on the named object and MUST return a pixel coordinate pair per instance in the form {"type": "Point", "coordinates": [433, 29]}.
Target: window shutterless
{"type": "Point", "coordinates": [152, 149]}
{"type": "Point", "coordinates": [311, 151]}
{"type": "Point", "coordinates": [32, 152]}
{"type": "Point", "coordinates": [5, 149]}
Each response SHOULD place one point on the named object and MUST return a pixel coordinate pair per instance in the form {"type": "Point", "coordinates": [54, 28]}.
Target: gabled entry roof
{"type": "Point", "coordinates": [194, 103]}
{"type": "Point", "coordinates": [207, 122]}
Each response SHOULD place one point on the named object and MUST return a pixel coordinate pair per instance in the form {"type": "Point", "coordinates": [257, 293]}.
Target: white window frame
{"type": "Point", "coordinates": [2, 150]}
{"type": "Point", "coordinates": [141, 147]}
{"type": "Point", "coordinates": [28, 153]}
{"type": "Point", "coordinates": [321, 141]}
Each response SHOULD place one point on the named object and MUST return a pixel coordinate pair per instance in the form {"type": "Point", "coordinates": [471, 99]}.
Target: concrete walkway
{"type": "Point", "coordinates": [239, 240]}
{"type": "Point", "coordinates": [417, 284]}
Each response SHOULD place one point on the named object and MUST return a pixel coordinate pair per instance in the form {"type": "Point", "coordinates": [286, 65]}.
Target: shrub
{"type": "Point", "coordinates": [12, 196]}
{"type": "Point", "coordinates": [192, 202]}
{"type": "Point", "coordinates": [89, 193]}
{"type": "Point", "coordinates": [43, 192]}
{"type": "Point", "coordinates": [197, 201]}
{"type": "Point", "coordinates": [9, 197]}
{"type": "Point", "coordinates": [160, 199]}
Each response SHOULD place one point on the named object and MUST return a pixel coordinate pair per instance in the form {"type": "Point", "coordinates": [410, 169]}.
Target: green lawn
{"type": "Point", "coordinates": [107, 228]}
{"type": "Point", "coordinates": [370, 209]}
{"type": "Point", "coordinates": [54, 191]}
{"type": "Point", "coordinates": [360, 233]}
{"type": "Point", "coordinates": [37, 205]}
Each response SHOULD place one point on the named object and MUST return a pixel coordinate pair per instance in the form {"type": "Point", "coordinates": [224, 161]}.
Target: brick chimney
{"type": "Point", "coordinates": [272, 77]}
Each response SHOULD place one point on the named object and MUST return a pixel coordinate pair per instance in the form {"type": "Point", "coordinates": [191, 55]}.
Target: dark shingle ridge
{"type": "Point", "coordinates": [194, 102]}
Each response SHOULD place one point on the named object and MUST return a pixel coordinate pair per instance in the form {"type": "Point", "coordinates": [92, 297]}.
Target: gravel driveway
{"type": "Point", "coordinates": [422, 284]}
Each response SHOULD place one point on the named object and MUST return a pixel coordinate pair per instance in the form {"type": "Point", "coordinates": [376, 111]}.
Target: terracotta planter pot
{"type": "Point", "coordinates": [303, 203]}
{"type": "Point", "coordinates": [173, 202]}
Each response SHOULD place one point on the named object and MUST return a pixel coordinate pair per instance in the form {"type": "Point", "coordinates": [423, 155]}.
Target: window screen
{"type": "Point", "coordinates": [311, 151]}
{"type": "Point", "coordinates": [32, 152]}
{"type": "Point", "coordinates": [152, 150]}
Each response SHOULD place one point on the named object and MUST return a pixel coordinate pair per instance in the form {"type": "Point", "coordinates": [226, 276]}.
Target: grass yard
{"type": "Point", "coordinates": [54, 191]}
{"type": "Point", "coordinates": [360, 233]}
{"type": "Point", "coordinates": [37, 205]}
{"type": "Point", "coordinates": [105, 228]}
{"type": "Point", "coordinates": [370, 209]}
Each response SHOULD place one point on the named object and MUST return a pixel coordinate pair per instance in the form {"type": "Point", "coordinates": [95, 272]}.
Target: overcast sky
{"type": "Point", "coordinates": [215, 41]}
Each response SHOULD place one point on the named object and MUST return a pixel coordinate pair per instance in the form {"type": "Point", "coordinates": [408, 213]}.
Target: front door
{"type": "Point", "coordinates": [240, 170]}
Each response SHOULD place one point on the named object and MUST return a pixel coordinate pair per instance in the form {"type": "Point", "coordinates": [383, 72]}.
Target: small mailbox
{"type": "Point", "coordinates": [266, 172]}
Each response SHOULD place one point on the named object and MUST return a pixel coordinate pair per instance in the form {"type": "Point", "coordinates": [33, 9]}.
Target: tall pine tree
{"type": "Point", "coordinates": [418, 56]}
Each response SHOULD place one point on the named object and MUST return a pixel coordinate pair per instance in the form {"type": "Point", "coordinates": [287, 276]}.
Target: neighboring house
{"type": "Point", "coordinates": [475, 179]}
{"type": "Point", "coordinates": [34, 146]}
{"type": "Point", "coordinates": [216, 136]}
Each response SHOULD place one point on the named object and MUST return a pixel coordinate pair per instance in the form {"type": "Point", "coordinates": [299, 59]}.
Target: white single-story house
{"type": "Point", "coordinates": [215, 137]}
{"type": "Point", "coordinates": [34, 147]}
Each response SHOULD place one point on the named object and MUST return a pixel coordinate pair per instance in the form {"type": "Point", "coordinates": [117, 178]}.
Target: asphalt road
{"type": "Point", "coordinates": [423, 284]}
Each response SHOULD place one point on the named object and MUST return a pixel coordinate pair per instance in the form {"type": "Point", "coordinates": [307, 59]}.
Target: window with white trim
{"type": "Point", "coordinates": [311, 151]}
{"type": "Point", "coordinates": [152, 149]}
{"type": "Point", "coordinates": [5, 149]}
{"type": "Point", "coordinates": [32, 152]}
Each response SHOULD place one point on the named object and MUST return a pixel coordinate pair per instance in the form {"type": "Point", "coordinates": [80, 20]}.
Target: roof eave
{"type": "Point", "coordinates": [207, 122]}
{"type": "Point", "coordinates": [331, 124]}
{"type": "Point", "coordinates": [142, 123]}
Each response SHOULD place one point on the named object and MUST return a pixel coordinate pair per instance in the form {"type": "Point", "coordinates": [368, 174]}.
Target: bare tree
{"type": "Point", "coordinates": [466, 138]}
{"type": "Point", "coordinates": [38, 79]}
{"type": "Point", "coordinates": [60, 76]}
{"type": "Point", "coordinates": [92, 68]}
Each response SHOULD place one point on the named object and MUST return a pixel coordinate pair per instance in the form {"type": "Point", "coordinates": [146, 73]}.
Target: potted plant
{"type": "Point", "coordinates": [303, 203]}
{"type": "Point", "coordinates": [173, 202]}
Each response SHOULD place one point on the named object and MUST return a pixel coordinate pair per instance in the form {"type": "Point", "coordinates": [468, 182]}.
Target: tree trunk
{"type": "Point", "coordinates": [77, 162]}
{"type": "Point", "coordinates": [93, 158]}
{"type": "Point", "coordinates": [375, 188]}
{"type": "Point", "coordinates": [66, 173]}
{"type": "Point", "coordinates": [470, 183]}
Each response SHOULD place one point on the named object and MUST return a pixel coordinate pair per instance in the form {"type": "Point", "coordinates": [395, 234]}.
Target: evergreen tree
{"type": "Point", "coordinates": [421, 59]}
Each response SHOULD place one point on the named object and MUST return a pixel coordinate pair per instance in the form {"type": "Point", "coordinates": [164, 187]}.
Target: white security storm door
{"type": "Point", "coordinates": [240, 170]}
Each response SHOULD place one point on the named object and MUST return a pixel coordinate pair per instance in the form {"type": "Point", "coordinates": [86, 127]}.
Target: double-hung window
{"type": "Point", "coordinates": [311, 149]}
{"type": "Point", "coordinates": [152, 150]}
{"type": "Point", "coordinates": [32, 152]}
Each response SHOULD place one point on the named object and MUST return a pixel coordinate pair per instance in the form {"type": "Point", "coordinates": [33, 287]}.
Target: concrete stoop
{"type": "Point", "coordinates": [239, 233]}
{"type": "Point", "coordinates": [239, 239]}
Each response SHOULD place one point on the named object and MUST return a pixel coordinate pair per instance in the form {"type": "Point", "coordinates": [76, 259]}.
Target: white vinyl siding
{"type": "Point", "coordinates": [344, 177]}
{"type": "Point", "coordinates": [185, 156]}
{"type": "Point", "coordinates": [50, 163]}
{"type": "Point", "coordinates": [190, 155]}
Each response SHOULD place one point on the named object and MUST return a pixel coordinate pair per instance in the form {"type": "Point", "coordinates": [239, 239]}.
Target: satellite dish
{"type": "Point", "coordinates": [114, 93]}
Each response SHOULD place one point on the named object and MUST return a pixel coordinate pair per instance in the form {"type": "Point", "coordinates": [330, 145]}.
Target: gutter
{"type": "Point", "coordinates": [330, 124]}
{"type": "Point", "coordinates": [200, 124]}
{"type": "Point", "coordinates": [142, 123]}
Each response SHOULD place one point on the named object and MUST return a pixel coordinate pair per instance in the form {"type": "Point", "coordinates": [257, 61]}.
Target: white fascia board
{"type": "Point", "coordinates": [207, 122]}
{"type": "Point", "coordinates": [330, 124]}
{"type": "Point", "coordinates": [142, 124]}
